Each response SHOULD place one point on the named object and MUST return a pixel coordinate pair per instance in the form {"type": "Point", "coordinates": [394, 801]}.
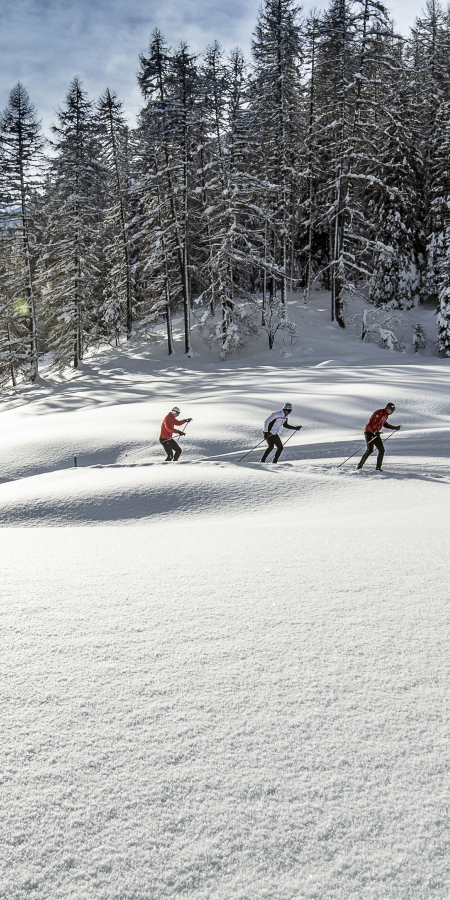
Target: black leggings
{"type": "Point", "coordinates": [372, 442]}
{"type": "Point", "coordinates": [172, 449]}
{"type": "Point", "coordinates": [273, 440]}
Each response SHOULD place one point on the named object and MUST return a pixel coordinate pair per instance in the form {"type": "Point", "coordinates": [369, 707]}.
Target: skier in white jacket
{"type": "Point", "coordinates": [272, 426]}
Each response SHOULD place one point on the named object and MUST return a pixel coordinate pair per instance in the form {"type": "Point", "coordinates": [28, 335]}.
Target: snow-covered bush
{"type": "Point", "coordinates": [382, 331]}
{"type": "Point", "coordinates": [228, 329]}
{"type": "Point", "coordinates": [275, 320]}
{"type": "Point", "coordinates": [419, 337]}
{"type": "Point", "coordinates": [389, 341]}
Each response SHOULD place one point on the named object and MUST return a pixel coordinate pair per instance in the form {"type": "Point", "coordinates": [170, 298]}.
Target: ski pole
{"type": "Point", "coordinates": [290, 436]}
{"type": "Point", "coordinates": [222, 455]}
{"type": "Point", "coordinates": [233, 453]}
{"type": "Point", "coordinates": [362, 448]}
{"type": "Point", "coordinates": [354, 454]}
{"type": "Point", "coordinates": [250, 451]}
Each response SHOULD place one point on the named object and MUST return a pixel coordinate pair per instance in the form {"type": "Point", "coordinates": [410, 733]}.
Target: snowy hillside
{"type": "Point", "coordinates": [223, 680]}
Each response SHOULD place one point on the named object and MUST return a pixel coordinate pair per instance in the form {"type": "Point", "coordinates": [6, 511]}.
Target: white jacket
{"type": "Point", "coordinates": [278, 419]}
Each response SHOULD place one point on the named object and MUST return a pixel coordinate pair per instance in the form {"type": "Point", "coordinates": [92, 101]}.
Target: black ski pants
{"type": "Point", "coordinates": [172, 449]}
{"type": "Point", "coordinates": [273, 440]}
{"type": "Point", "coordinates": [372, 442]}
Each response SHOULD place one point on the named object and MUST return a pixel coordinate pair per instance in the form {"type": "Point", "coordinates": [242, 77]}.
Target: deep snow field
{"type": "Point", "coordinates": [223, 680]}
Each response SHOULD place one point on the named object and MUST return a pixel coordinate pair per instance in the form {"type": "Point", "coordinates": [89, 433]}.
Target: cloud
{"type": "Point", "coordinates": [45, 43]}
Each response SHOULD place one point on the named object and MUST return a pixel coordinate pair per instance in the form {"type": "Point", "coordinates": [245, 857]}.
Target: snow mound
{"type": "Point", "coordinates": [225, 680]}
{"type": "Point", "coordinates": [330, 364]}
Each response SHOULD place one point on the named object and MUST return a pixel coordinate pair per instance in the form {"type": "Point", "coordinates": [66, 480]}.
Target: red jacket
{"type": "Point", "coordinates": [377, 421]}
{"type": "Point", "coordinates": [168, 426]}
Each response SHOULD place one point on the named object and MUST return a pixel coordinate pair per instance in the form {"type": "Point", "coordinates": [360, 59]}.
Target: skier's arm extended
{"type": "Point", "coordinates": [291, 427]}
{"type": "Point", "coordinates": [181, 421]}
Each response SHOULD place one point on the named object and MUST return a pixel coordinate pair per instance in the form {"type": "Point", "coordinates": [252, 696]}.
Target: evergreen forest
{"type": "Point", "coordinates": [323, 160]}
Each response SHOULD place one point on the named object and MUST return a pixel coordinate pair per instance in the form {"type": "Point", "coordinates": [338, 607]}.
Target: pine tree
{"type": "Point", "coordinates": [429, 73]}
{"type": "Point", "coordinates": [14, 328]}
{"type": "Point", "coordinates": [276, 104]}
{"type": "Point", "coordinates": [71, 264]}
{"type": "Point", "coordinates": [355, 57]}
{"type": "Point", "coordinates": [224, 214]}
{"type": "Point", "coordinates": [393, 201]}
{"type": "Point", "coordinates": [310, 176]}
{"type": "Point", "coordinates": [439, 240]}
{"type": "Point", "coordinates": [212, 90]}
{"type": "Point", "coordinates": [114, 149]}
{"type": "Point", "coordinates": [157, 233]}
{"type": "Point", "coordinates": [336, 66]}
{"type": "Point", "coordinates": [21, 147]}
{"type": "Point", "coordinates": [168, 139]}
{"type": "Point", "coordinates": [443, 318]}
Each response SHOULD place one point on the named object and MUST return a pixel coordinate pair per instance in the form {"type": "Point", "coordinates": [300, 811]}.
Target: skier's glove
{"type": "Point", "coordinates": [398, 427]}
{"type": "Point", "coordinates": [298, 427]}
{"type": "Point", "coordinates": [181, 433]}
{"type": "Point", "coordinates": [188, 420]}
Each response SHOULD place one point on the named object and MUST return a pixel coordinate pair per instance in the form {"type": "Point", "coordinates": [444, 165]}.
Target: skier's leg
{"type": "Point", "coordinates": [378, 443]}
{"type": "Point", "coordinates": [270, 446]}
{"type": "Point", "coordinates": [176, 450]}
{"type": "Point", "coordinates": [167, 448]}
{"type": "Point", "coordinates": [279, 445]}
{"type": "Point", "coordinates": [369, 441]}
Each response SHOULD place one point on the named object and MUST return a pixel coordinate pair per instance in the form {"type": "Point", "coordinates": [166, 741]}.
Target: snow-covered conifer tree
{"type": "Point", "coordinates": [355, 55]}
{"type": "Point", "coordinates": [276, 105]}
{"type": "Point", "coordinates": [117, 309]}
{"type": "Point", "coordinates": [21, 146]}
{"type": "Point", "coordinates": [159, 264]}
{"type": "Point", "coordinates": [438, 273]}
{"type": "Point", "coordinates": [443, 319]}
{"type": "Point", "coordinates": [310, 176]}
{"type": "Point", "coordinates": [429, 73]}
{"type": "Point", "coordinates": [167, 149]}
{"type": "Point", "coordinates": [71, 264]}
{"type": "Point", "coordinates": [336, 65]}
{"type": "Point", "coordinates": [393, 201]}
{"type": "Point", "coordinates": [224, 214]}
{"type": "Point", "coordinates": [212, 89]}
{"type": "Point", "coordinates": [14, 320]}
{"type": "Point", "coordinates": [183, 84]}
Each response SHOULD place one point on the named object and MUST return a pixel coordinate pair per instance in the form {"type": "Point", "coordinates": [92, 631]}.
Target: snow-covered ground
{"type": "Point", "coordinates": [222, 680]}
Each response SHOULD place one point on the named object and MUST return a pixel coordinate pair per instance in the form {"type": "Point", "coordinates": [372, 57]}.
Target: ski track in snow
{"type": "Point", "coordinates": [225, 681]}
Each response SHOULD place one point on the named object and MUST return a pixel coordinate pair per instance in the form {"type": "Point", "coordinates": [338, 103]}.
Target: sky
{"type": "Point", "coordinates": [45, 43]}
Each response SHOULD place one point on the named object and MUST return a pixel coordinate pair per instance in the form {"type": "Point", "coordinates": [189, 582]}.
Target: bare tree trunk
{"type": "Point", "coordinates": [13, 377]}
{"type": "Point", "coordinates": [264, 290]}
{"type": "Point", "coordinates": [170, 346]}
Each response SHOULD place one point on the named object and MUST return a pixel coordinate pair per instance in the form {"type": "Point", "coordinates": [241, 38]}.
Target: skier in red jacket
{"type": "Point", "coordinates": [168, 429]}
{"type": "Point", "coordinates": [377, 421]}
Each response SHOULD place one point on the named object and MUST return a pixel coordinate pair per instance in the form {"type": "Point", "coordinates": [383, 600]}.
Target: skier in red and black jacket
{"type": "Point", "coordinates": [168, 429]}
{"type": "Point", "coordinates": [377, 421]}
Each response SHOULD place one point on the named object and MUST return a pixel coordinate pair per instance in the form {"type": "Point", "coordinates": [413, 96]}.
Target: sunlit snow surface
{"type": "Point", "coordinates": [223, 680]}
